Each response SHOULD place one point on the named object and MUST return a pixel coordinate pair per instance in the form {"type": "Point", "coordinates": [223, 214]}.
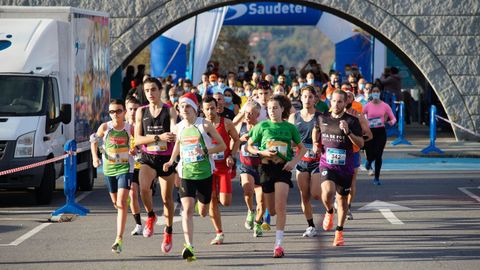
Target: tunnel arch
{"type": "Point", "coordinates": [373, 18]}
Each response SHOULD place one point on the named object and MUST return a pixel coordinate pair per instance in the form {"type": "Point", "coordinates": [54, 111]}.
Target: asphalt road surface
{"type": "Point", "coordinates": [415, 220]}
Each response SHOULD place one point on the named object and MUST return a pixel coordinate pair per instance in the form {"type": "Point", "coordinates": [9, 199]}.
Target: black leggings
{"type": "Point", "coordinates": [374, 149]}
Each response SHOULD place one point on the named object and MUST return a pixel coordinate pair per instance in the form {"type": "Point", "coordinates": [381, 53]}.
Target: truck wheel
{"type": "Point", "coordinates": [44, 192]}
{"type": "Point", "coordinates": [86, 178]}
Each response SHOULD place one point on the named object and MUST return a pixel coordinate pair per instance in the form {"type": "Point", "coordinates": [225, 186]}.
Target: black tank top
{"type": "Point", "coordinates": [155, 125]}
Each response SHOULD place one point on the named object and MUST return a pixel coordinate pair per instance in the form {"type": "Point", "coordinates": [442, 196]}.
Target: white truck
{"type": "Point", "coordinates": [54, 87]}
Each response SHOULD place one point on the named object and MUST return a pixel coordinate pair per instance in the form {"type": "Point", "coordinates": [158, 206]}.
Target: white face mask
{"type": "Point", "coordinates": [220, 84]}
{"type": "Point", "coordinates": [376, 95]}
{"type": "Point", "coordinates": [310, 81]}
{"type": "Point", "coordinates": [248, 94]}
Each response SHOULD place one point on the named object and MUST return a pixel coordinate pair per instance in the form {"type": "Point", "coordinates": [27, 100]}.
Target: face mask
{"type": "Point", "coordinates": [220, 85]}
{"type": "Point", "coordinates": [349, 105]}
{"type": "Point", "coordinates": [213, 83]}
{"type": "Point", "coordinates": [376, 95]}
{"type": "Point", "coordinates": [248, 94]}
{"type": "Point", "coordinates": [310, 81]}
{"type": "Point", "coordinates": [173, 99]}
{"type": "Point", "coordinates": [361, 86]}
{"type": "Point", "coordinates": [228, 99]}
{"type": "Point", "coordinates": [348, 73]}
{"type": "Point", "coordinates": [329, 97]}
{"type": "Point", "coordinates": [187, 89]}
{"type": "Point", "coordinates": [302, 84]}
{"type": "Point", "coordinates": [241, 94]}
{"type": "Point", "coordinates": [296, 89]}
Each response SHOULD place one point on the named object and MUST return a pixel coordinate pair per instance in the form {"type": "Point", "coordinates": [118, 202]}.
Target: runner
{"type": "Point", "coordinates": [249, 171]}
{"type": "Point", "coordinates": [367, 135]}
{"type": "Point", "coordinates": [263, 94]}
{"type": "Point", "coordinates": [132, 105]}
{"type": "Point", "coordinates": [224, 163]}
{"type": "Point", "coordinates": [377, 112]}
{"type": "Point", "coordinates": [117, 163]}
{"type": "Point", "coordinates": [305, 121]}
{"type": "Point", "coordinates": [195, 166]}
{"type": "Point", "coordinates": [152, 132]}
{"type": "Point", "coordinates": [275, 136]}
{"type": "Point", "coordinates": [339, 131]}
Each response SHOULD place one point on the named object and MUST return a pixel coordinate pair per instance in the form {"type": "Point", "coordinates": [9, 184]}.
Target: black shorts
{"type": "Point", "coordinates": [251, 170]}
{"type": "Point", "coordinates": [343, 182]}
{"type": "Point", "coordinates": [135, 174]}
{"type": "Point", "coordinates": [272, 173]}
{"type": "Point", "coordinates": [305, 166]}
{"type": "Point", "coordinates": [201, 189]}
{"type": "Point", "coordinates": [156, 162]}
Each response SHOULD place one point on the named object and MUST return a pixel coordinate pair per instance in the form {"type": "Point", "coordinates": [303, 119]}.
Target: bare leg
{"type": "Point", "coordinates": [187, 219]}
{"type": "Point", "coordinates": [166, 186]}
{"type": "Point", "coordinates": [146, 176]}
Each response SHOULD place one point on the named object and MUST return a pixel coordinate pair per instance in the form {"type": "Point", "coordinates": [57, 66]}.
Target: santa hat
{"type": "Point", "coordinates": [191, 99]}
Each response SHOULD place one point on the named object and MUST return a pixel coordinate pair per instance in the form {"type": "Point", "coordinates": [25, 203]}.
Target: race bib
{"type": "Point", "coordinates": [280, 147]}
{"type": "Point", "coordinates": [117, 156]}
{"type": "Point", "coordinates": [192, 153]}
{"type": "Point", "coordinates": [218, 156]}
{"type": "Point", "coordinates": [160, 146]}
{"type": "Point", "coordinates": [375, 122]}
{"type": "Point", "coordinates": [336, 156]}
{"type": "Point", "coordinates": [245, 153]}
{"type": "Point", "coordinates": [309, 153]}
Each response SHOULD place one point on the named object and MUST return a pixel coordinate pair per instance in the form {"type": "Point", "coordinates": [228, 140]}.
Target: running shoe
{"type": "Point", "coordinates": [188, 253]}
{"type": "Point", "coordinates": [149, 226]}
{"type": "Point", "coordinates": [278, 252]}
{"type": "Point", "coordinates": [167, 242]}
{"type": "Point", "coordinates": [267, 216]}
{"type": "Point", "coordinates": [310, 232]}
{"type": "Point", "coordinates": [117, 246]}
{"type": "Point", "coordinates": [137, 230]}
{"type": "Point", "coordinates": [370, 172]}
{"type": "Point", "coordinates": [266, 226]}
{"type": "Point", "coordinates": [349, 215]}
{"type": "Point", "coordinates": [338, 241]}
{"type": "Point", "coordinates": [376, 181]}
{"type": "Point", "coordinates": [257, 230]}
{"type": "Point", "coordinates": [249, 220]}
{"type": "Point", "coordinates": [218, 240]}
{"type": "Point", "coordinates": [328, 221]}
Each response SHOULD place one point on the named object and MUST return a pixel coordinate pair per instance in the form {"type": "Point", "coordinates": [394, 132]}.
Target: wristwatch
{"type": "Point", "coordinates": [156, 138]}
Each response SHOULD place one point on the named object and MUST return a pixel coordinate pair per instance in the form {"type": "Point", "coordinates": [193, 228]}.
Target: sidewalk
{"type": "Point", "coordinates": [456, 156]}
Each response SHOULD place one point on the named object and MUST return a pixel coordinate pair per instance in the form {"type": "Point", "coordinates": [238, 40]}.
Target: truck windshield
{"type": "Point", "coordinates": [21, 95]}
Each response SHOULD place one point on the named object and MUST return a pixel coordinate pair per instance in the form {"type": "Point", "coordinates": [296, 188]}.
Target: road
{"type": "Point", "coordinates": [415, 220]}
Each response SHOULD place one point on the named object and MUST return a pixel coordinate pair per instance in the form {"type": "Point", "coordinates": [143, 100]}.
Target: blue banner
{"type": "Point", "coordinates": [271, 13]}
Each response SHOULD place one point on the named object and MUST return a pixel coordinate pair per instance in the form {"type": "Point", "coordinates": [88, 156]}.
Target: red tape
{"type": "Point", "coordinates": [38, 164]}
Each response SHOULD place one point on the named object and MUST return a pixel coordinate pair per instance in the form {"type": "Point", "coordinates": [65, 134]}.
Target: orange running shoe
{"type": "Point", "coordinates": [167, 242]}
{"type": "Point", "coordinates": [328, 221]}
{"type": "Point", "coordinates": [338, 241]}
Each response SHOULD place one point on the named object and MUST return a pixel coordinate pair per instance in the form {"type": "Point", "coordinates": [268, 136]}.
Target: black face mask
{"type": "Point", "coordinates": [349, 105]}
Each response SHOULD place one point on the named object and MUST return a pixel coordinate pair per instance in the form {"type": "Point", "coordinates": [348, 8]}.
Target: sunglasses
{"type": "Point", "coordinates": [119, 111]}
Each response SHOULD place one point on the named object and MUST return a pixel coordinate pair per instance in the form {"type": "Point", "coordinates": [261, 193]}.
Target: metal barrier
{"type": "Point", "coordinates": [392, 130]}
{"type": "Point", "coordinates": [70, 183]}
{"type": "Point", "coordinates": [401, 127]}
{"type": "Point", "coordinates": [433, 133]}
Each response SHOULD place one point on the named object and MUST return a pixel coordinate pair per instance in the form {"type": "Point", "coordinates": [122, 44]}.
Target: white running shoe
{"type": "Point", "coordinates": [138, 230]}
{"type": "Point", "coordinates": [310, 232]}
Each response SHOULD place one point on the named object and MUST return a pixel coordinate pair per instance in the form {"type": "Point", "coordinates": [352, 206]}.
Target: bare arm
{"type": "Point", "coordinates": [234, 135]}
{"type": "Point", "coordinates": [140, 139]}
{"type": "Point", "coordinates": [365, 128]}
{"type": "Point", "coordinates": [94, 144]}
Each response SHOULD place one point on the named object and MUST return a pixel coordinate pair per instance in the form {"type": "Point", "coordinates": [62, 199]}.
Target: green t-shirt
{"type": "Point", "coordinates": [195, 166]}
{"type": "Point", "coordinates": [276, 136]}
{"type": "Point", "coordinates": [321, 106]}
{"type": "Point", "coordinates": [116, 160]}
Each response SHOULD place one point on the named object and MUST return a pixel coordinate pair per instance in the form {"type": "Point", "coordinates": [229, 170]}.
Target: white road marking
{"type": "Point", "coordinates": [29, 234]}
{"type": "Point", "coordinates": [473, 196]}
{"type": "Point", "coordinates": [40, 227]}
{"type": "Point", "coordinates": [386, 210]}
{"type": "Point", "coordinates": [388, 214]}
